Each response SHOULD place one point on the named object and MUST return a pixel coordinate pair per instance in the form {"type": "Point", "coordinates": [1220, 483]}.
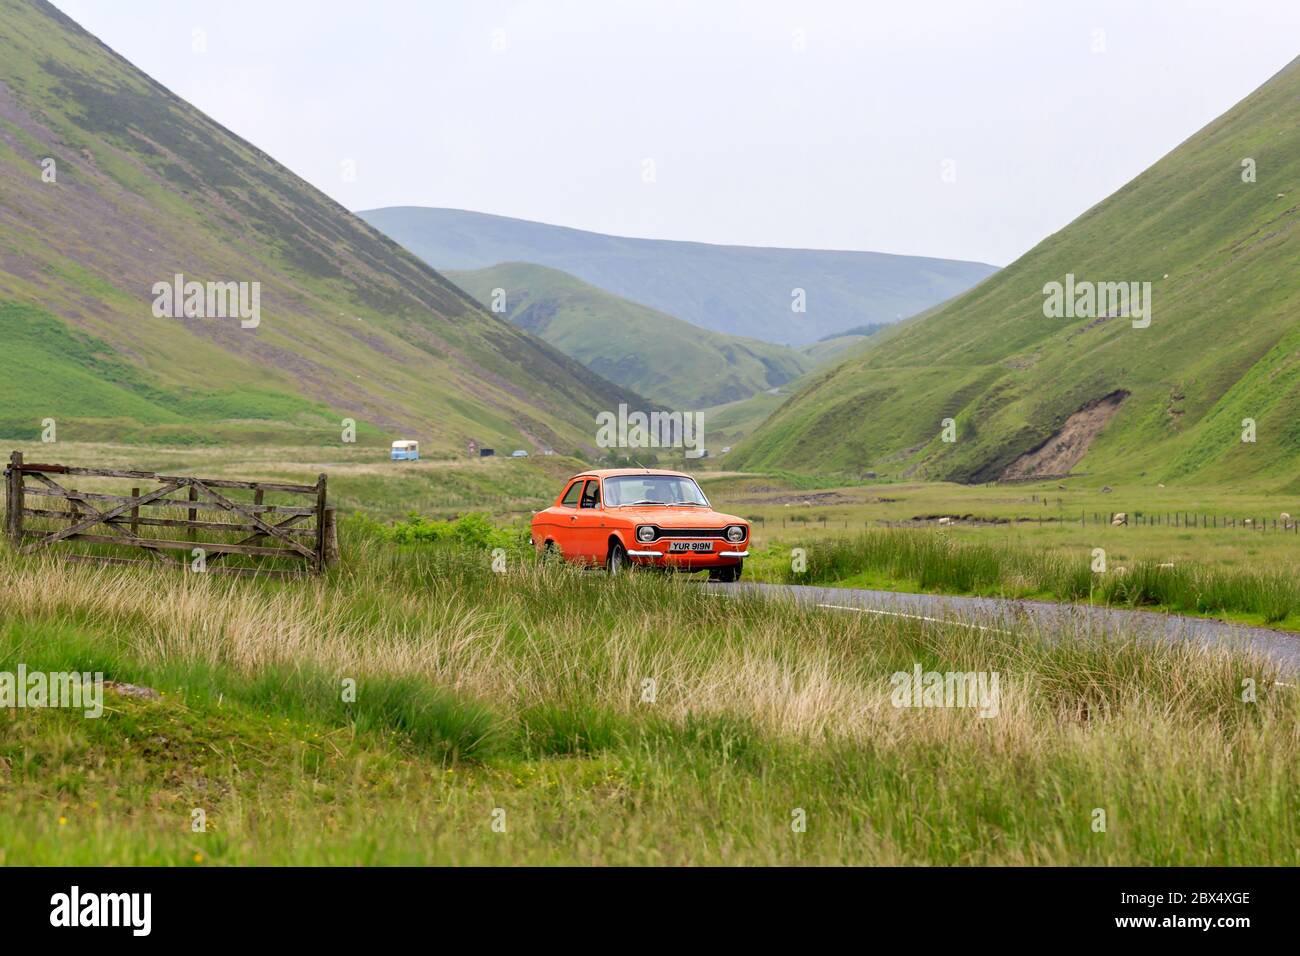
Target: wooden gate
{"type": "Point", "coordinates": [301, 532]}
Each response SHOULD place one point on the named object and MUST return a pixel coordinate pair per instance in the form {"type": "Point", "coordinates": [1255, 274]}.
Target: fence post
{"type": "Point", "coordinates": [331, 537]}
{"type": "Point", "coordinates": [14, 499]}
{"type": "Point", "coordinates": [320, 523]}
{"type": "Point", "coordinates": [135, 515]}
{"type": "Point", "coordinates": [193, 513]}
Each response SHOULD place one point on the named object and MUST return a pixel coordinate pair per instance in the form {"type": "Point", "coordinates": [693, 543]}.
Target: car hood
{"type": "Point", "coordinates": [676, 517]}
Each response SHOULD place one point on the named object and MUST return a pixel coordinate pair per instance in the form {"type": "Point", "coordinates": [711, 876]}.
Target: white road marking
{"type": "Point", "coordinates": [915, 617]}
{"type": "Point", "coordinates": [869, 610]}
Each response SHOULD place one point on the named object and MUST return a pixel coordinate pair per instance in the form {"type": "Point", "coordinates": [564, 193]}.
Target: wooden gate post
{"type": "Point", "coordinates": [14, 499]}
{"type": "Point", "coordinates": [320, 523]}
{"type": "Point", "coordinates": [331, 537]}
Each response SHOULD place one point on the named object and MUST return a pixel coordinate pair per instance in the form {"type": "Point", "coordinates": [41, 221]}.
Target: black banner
{"type": "Point", "coordinates": [333, 906]}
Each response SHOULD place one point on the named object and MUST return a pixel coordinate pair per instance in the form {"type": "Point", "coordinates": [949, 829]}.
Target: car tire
{"type": "Point", "coordinates": [551, 554]}
{"type": "Point", "coordinates": [616, 562]}
{"type": "Point", "coordinates": [728, 574]}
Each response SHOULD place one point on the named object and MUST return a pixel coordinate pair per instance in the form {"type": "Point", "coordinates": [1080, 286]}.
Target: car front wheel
{"type": "Point", "coordinates": [728, 574]}
{"type": "Point", "coordinates": [617, 561]}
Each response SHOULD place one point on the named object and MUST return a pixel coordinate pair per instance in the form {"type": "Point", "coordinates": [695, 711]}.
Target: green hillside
{"type": "Point", "coordinates": [653, 354]}
{"type": "Point", "coordinates": [738, 290]}
{"type": "Point", "coordinates": [1223, 345]}
{"type": "Point", "coordinates": [50, 370]}
{"type": "Point", "coordinates": [834, 347]}
{"type": "Point", "coordinates": [146, 187]}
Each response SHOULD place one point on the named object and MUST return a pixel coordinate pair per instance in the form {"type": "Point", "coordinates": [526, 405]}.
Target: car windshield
{"type": "Point", "coordinates": [653, 490]}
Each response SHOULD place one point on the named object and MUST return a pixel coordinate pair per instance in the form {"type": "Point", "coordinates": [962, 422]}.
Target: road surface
{"type": "Point", "coordinates": [1058, 619]}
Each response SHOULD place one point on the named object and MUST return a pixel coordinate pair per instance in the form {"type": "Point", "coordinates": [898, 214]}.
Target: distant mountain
{"type": "Point", "coordinates": [739, 290]}
{"type": "Point", "coordinates": [1207, 389]}
{"type": "Point", "coordinates": [110, 185]}
{"type": "Point", "coordinates": [653, 354]}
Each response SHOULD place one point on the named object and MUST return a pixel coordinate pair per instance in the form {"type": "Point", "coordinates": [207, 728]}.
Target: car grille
{"type": "Point", "coordinates": [690, 532]}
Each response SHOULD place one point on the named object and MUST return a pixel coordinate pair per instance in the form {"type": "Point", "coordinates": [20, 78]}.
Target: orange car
{"type": "Point", "coordinates": [623, 516]}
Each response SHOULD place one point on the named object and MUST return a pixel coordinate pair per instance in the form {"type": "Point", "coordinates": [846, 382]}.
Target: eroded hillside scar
{"type": "Point", "coordinates": [1062, 450]}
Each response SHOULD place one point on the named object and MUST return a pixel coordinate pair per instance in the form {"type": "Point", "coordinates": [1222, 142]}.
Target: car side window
{"type": "Point", "coordinates": [591, 496]}
{"type": "Point", "coordinates": [570, 499]}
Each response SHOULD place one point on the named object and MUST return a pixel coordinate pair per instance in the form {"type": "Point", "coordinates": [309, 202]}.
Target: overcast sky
{"type": "Point", "coordinates": [966, 129]}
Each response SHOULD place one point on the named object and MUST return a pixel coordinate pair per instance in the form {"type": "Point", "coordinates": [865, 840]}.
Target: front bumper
{"type": "Point", "coordinates": [691, 557]}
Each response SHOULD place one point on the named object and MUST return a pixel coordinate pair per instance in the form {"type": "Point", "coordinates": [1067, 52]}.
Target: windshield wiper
{"type": "Point", "coordinates": [693, 504]}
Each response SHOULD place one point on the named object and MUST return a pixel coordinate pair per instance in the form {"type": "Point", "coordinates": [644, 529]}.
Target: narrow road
{"type": "Point", "coordinates": [1065, 620]}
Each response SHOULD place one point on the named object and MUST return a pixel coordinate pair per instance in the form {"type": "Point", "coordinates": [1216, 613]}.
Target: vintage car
{"type": "Point", "coordinates": [639, 516]}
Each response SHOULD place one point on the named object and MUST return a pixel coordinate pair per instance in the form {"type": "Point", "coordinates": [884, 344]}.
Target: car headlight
{"type": "Point", "coordinates": [645, 533]}
{"type": "Point", "coordinates": [736, 533]}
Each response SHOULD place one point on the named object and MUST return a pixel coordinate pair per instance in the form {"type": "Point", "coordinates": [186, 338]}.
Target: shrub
{"type": "Point", "coordinates": [472, 530]}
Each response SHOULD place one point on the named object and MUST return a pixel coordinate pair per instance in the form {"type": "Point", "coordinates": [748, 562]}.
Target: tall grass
{"type": "Point", "coordinates": [935, 561]}
{"type": "Point", "coordinates": [643, 719]}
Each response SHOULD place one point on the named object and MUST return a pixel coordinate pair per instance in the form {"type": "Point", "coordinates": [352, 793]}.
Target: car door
{"type": "Point", "coordinates": [590, 523]}
{"type": "Point", "coordinates": [562, 518]}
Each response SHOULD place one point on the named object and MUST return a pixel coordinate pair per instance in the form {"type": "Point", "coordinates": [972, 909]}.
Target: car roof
{"type": "Point", "coordinates": [623, 472]}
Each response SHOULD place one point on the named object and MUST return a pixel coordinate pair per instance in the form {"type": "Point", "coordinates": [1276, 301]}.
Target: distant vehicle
{"type": "Point", "coordinates": [724, 449]}
{"type": "Point", "coordinates": [406, 451]}
{"type": "Point", "coordinates": [620, 517]}
{"type": "Point", "coordinates": [697, 453]}
{"type": "Point", "coordinates": [519, 453]}
{"type": "Point", "coordinates": [486, 452]}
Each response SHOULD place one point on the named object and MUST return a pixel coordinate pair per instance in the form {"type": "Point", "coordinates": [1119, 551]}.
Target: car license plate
{"type": "Point", "coordinates": [679, 546]}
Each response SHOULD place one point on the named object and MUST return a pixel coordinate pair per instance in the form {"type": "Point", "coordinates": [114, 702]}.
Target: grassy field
{"type": "Point", "coordinates": [919, 561]}
{"type": "Point", "coordinates": [788, 511]}
{"type": "Point", "coordinates": [545, 715]}
{"type": "Point", "coordinates": [641, 720]}
{"type": "Point", "coordinates": [362, 478]}
{"type": "Point", "coordinates": [1071, 520]}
